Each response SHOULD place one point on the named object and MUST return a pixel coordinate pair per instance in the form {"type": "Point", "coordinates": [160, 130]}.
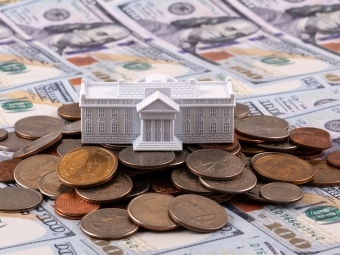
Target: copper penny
{"type": "Point", "coordinates": [73, 128]}
{"type": "Point", "coordinates": [13, 142]}
{"type": "Point", "coordinates": [108, 224]}
{"type": "Point", "coordinates": [71, 205]}
{"type": "Point", "coordinates": [3, 134]}
{"type": "Point", "coordinates": [274, 166]}
{"type": "Point", "coordinates": [69, 145]}
{"type": "Point", "coordinates": [334, 158]}
{"type": "Point", "coordinates": [281, 192]}
{"type": "Point", "coordinates": [310, 141]}
{"type": "Point", "coordinates": [311, 156]}
{"type": "Point", "coordinates": [151, 211]}
{"type": "Point", "coordinates": [68, 216]}
{"type": "Point", "coordinates": [325, 174]}
{"type": "Point", "coordinates": [163, 184]}
{"type": "Point", "coordinates": [270, 121]}
{"type": "Point", "coordinates": [51, 187]}
{"type": "Point", "coordinates": [313, 131]}
{"type": "Point", "coordinates": [241, 111]}
{"type": "Point", "coordinates": [7, 170]}
{"type": "Point", "coordinates": [70, 111]}
{"type": "Point", "coordinates": [245, 139]}
{"type": "Point", "coordinates": [197, 213]}
{"type": "Point", "coordinates": [221, 146]}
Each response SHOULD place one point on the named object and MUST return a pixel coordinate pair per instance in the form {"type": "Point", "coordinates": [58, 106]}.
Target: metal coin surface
{"type": "Point", "coordinates": [186, 181]}
{"type": "Point", "coordinates": [145, 159]}
{"type": "Point", "coordinates": [115, 146]}
{"type": "Point", "coordinates": [251, 150]}
{"type": "Point", "coordinates": [37, 145]}
{"type": "Point", "coordinates": [29, 172]}
{"type": "Point", "coordinates": [254, 193]}
{"type": "Point", "coordinates": [13, 142]}
{"type": "Point", "coordinates": [243, 183]}
{"type": "Point", "coordinates": [73, 128]}
{"type": "Point", "coordinates": [243, 157]}
{"type": "Point", "coordinates": [271, 121]}
{"type": "Point", "coordinates": [311, 156]}
{"type": "Point", "coordinates": [241, 111]}
{"type": "Point", "coordinates": [284, 146]}
{"type": "Point", "coordinates": [70, 111]}
{"type": "Point", "coordinates": [108, 224]}
{"type": "Point", "coordinates": [192, 147]}
{"type": "Point", "coordinates": [221, 197]}
{"type": "Point", "coordinates": [68, 216]}
{"type": "Point", "coordinates": [334, 158]}
{"type": "Point", "coordinates": [325, 174]}
{"type": "Point", "coordinates": [237, 150]}
{"type": "Point", "coordinates": [141, 185]}
{"type": "Point", "coordinates": [35, 127]}
{"type": "Point", "coordinates": [214, 164]}
{"type": "Point", "coordinates": [118, 187]}
{"type": "Point", "coordinates": [281, 192]}
{"type": "Point", "coordinates": [7, 170]}
{"type": "Point", "coordinates": [87, 167]}
{"type": "Point", "coordinates": [151, 211]}
{"type": "Point", "coordinates": [70, 204]}
{"type": "Point", "coordinates": [311, 130]}
{"type": "Point", "coordinates": [310, 141]}
{"type": "Point", "coordinates": [3, 134]}
{"type": "Point", "coordinates": [198, 213]}
{"type": "Point", "coordinates": [51, 187]}
{"type": "Point", "coordinates": [17, 199]}
{"type": "Point", "coordinates": [274, 166]}
{"type": "Point", "coordinates": [245, 139]}
{"type": "Point", "coordinates": [163, 184]}
{"type": "Point", "coordinates": [69, 145]}
{"type": "Point", "coordinates": [220, 146]}
{"type": "Point", "coordinates": [180, 158]}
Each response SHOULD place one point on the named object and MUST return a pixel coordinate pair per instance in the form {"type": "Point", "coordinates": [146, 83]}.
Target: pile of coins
{"type": "Point", "coordinates": [114, 190]}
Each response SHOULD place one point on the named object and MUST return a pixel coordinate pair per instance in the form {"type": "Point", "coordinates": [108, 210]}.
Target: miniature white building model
{"type": "Point", "coordinates": [157, 113]}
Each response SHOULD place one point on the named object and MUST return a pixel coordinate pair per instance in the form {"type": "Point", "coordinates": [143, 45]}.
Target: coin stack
{"type": "Point", "coordinates": [107, 186]}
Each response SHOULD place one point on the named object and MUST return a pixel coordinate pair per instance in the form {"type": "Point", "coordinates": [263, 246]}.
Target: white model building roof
{"type": "Point", "coordinates": [157, 95]}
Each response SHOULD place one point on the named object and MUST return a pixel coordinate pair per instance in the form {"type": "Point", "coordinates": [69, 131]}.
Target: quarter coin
{"type": "Point", "coordinates": [270, 121]}
{"type": "Point", "coordinates": [150, 211]}
{"type": "Point", "coordinates": [310, 141]}
{"type": "Point", "coordinates": [51, 187]}
{"type": "Point", "coordinates": [108, 224]}
{"type": "Point", "coordinates": [281, 192]}
{"type": "Point", "coordinates": [198, 213]}
{"type": "Point", "coordinates": [13, 142]}
{"type": "Point", "coordinates": [334, 158]}
{"type": "Point", "coordinates": [70, 111]}
{"type": "Point", "coordinates": [73, 128]}
{"type": "Point", "coordinates": [7, 170]}
{"type": "Point", "coordinates": [325, 174]}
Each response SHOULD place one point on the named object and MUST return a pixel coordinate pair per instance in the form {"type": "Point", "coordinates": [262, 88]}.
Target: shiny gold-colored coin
{"type": "Point", "coordinates": [281, 192]}
{"type": "Point", "coordinates": [70, 111]}
{"type": "Point", "coordinates": [325, 174]}
{"type": "Point", "coordinates": [87, 167]}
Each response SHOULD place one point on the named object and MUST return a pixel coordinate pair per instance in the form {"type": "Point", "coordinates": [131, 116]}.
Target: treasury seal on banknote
{"type": "Point", "coordinates": [324, 214]}
{"type": "Point", "coordinates": [333, 125]}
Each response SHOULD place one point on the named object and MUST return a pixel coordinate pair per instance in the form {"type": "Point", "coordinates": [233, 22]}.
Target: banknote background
{"type": "Point", "coordinates": [278, 64]}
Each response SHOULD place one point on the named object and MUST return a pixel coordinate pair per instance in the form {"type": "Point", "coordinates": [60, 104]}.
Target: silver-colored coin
{"type": "Point", "coordinates": [243, 158]}
{"type": "Point", "coordinates": [68, 145]}
{"type": "Point", "coordinates": [180, 158]}
{"type": "Point", "coordinates": [118, 187]}
{"type": "Point", "coordinates": [13, 142]}
{"type": "Point", "coordinates": [74, 128]}
{"type": "Point", "coordinates": [141, 185]}
{"type": "Point", "coordinates": [51, 187]}
{"type": "Point", "coordinates": [29, 172]}
{"type": "Point", "coordinates": [241, 111]}
{"type": "Point", "coordinates": [254, 193]}
{"type": "Point", "coordinates": [270, 121]}
{"type": "Point", "coordinates": [284, 146]}
{"type": "Point", "coordinates": [3, 134]}
{"type": "Point", "coordinates": [241, 184]}
{"type": "Point", "coordinates": [281, 192]}
{"type": "Point", "coordinates": [108, 224]}
{"type": "Point", "coordinates": [214, 164]}
{"type": "Point", "coordinates": [17, 199]}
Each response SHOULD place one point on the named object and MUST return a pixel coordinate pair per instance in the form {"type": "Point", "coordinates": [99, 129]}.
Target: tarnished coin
{"type": "Point", "coordinates": [150, 211]}
{"type": "Point", "coordinates": [37, 145]}
{"type": "Point", "coordinates": [313, 131]}
{"type": "Point", "coordinates": [281, 192]}
{"type": "Point", "coordinates": [69, 204]}
{"type": "Point", "coordinates": [251, 150]}
{"type": "Point", "coordinates": [68, 216]}
{"type": "Point", "coordinates": [243, 158]}
{"type": "Point", "coordinates": [186, 181]}
{"type": "Point", "coordinates": [29, 172]}
{"type": "Point", "coordinates": [274, 166]}
{"type": "Point", "coordinates": [180, 158]}
{"type": "Point", "coordinates": [311, 156]}
{"type": "Point", "coordinates": [7, 170]}
{"type": "Point", "coordinates": [214, 164]}
{"type": "Point", "coordinates": [35, 127]}
{"type": "Point", "coordinates": [220, 197]}
{"type": "Point", "coordinates": [108, 224]}
{"type": "Point", "coordinates": [283, 146]}
{"type": "Point", "coordinates": [3, 134]}
{"type": "Point", "coordinates": [198, 213]}
{"type": "Point", "coordinates": [237, 150]}
{"type": "Point", "coordinates": [118, 147]}
{"type": "Point", "coordinates": [70, 111]}
{"type": "Point", "coordinates": [118, 187]}
{"type": "Point", "coordinates": [220, 146]}
{"type": "Point", "coordinates": [13, 142]}
{"type": "Point", "coordinates": [163, 184]}
{"type": "Point", "coordinates": [17, 199]}
{"type": "Point", "coordinates": [141, 185]}
{"type": "Point", "coordinates": [51, 187]}
{"type": "Point", "coordinates": [87, 167]}
{"type": "Point", "coordinates": [244, 182]}
{"type": "Point", "coordinates": [241, 111]}
{"type": "Point", "coordinates": [310, 141]}
{"type": "Point", "coordinates": [269, 121]}
{"type": "Point", "coordinates": [254, 193]}
{"type": "Point", "coordinates": [192, 147]}
{"type": "Point", "coordinates": [73, 128]}
{"type": "Point", "coordinates": [334, 158]}
{"type": "Point", "coordinates": [245, 139]}
{"type": "Point", "coordinates": [325, 174]}
{"type": "Point", "coordinates": [145, 159]}
{"type": "Point", "coordinates": [69, 145]}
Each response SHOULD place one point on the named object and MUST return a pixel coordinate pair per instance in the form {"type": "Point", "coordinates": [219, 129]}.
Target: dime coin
{"type": "Point", "coordinates": [245, 139]}
{"type": "Point", "coordinates": [108, 224]}
{"type": "Point", "coordinates": [269, 121]}
{"type": "Point", "coordinates": [7, 170]}
{"type": "Point", "coordinates": [87, 167]}
{"type": "Point", "coordinates": [3, 134]}
{"type": "Point", "coordinates": [69, 204]}
{"type": "Point", "coordinates": [29, 172]}
{"type": "Point", "coordinates": [310, 141]}
{"type": "Point", "coordinates": [34, 127]}
{"type": "Point", "coordinates": [313, 131]}
{"type": "Point", "coordinates": [67, 146]}
{"type": "Point", "coordinates": [325, 174]}
{"type": "Point", "coordinates": [163, 184]}
{"type": "Point", "coordinates": [141, 185]}
{"type": "Point", "coordinates": [214, 164]}
{"type": "Point", "coordinates": [37, 145]}
{"type": "Point", "coordinates": [150, 211]}
{"type": "Point", "coordinates": [145, 159]}
{"type": "Point", "coordinates": [241, 111]}
{"type": "Point", "coordinates": [251, 150]}
{"type": "Point", "coordinates": [13, 142]}
{"type": "Point", "coordinates": [274, 166]}
{"type": "Point", "coordinates": [70, 111]}
{"type": "Point", "coordinates": [186, 181]}
{"type": "Point", "coordinates": [281, 192]}
{"type": "Point", "coordinates": [284, 146]}
{"type": "Point", "coordinates": [51, 187]}
{"type": "Point", "coordinates": [244, 182]}
{"type": "Point", "coordinates": [220, 146]}
{"type": "Point", "coordinates": [197, 213]}
{"type": "Point", "coordinates": [334, 158]}
{"type": "Point", "coordinates": [118, 187]}
{"type": "Point", "coordinates": [73, 128]}
{"type": "Point", "coordinates": [17, 199]}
